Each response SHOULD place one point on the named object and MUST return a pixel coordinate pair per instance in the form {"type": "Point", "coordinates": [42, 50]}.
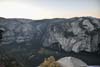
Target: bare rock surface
{"type": "Point", "coordinates": [71, 62]}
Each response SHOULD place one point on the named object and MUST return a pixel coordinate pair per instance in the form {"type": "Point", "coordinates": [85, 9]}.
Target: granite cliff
{"type": "Point", "coordinates": [75, 34]}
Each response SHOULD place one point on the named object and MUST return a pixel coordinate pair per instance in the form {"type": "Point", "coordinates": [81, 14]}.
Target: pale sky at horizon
{"type": "Point", "coordinates": [43, 9]}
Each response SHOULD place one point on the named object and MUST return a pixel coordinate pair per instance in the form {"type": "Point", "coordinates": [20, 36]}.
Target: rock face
{"type": "Point", "coordinates": [80, 34]}
{"type": "Point", "coordinates": [71, 62]}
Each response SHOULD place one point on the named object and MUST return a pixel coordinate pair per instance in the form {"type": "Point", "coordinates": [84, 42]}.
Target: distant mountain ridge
{"type": "Point", "coordinates": [48, 31]}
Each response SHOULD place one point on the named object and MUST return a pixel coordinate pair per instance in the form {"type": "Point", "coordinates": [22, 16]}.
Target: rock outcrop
{"type": "Point", "coordinates": [71, 62]}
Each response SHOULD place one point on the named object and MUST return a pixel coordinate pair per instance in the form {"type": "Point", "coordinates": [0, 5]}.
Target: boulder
{"type": "Point", "coordinates": [71, 62]}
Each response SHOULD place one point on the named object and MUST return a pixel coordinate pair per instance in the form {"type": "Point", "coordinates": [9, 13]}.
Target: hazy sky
{"type": "Point", "coordinates": [40, 9]}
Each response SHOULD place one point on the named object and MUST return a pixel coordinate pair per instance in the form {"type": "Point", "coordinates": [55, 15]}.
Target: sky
{"type": "Point", "coordinates": [44, 9]}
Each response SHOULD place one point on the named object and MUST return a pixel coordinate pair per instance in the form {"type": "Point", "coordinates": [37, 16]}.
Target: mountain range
{"type": "Point", "coordinates": [24, 38]}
